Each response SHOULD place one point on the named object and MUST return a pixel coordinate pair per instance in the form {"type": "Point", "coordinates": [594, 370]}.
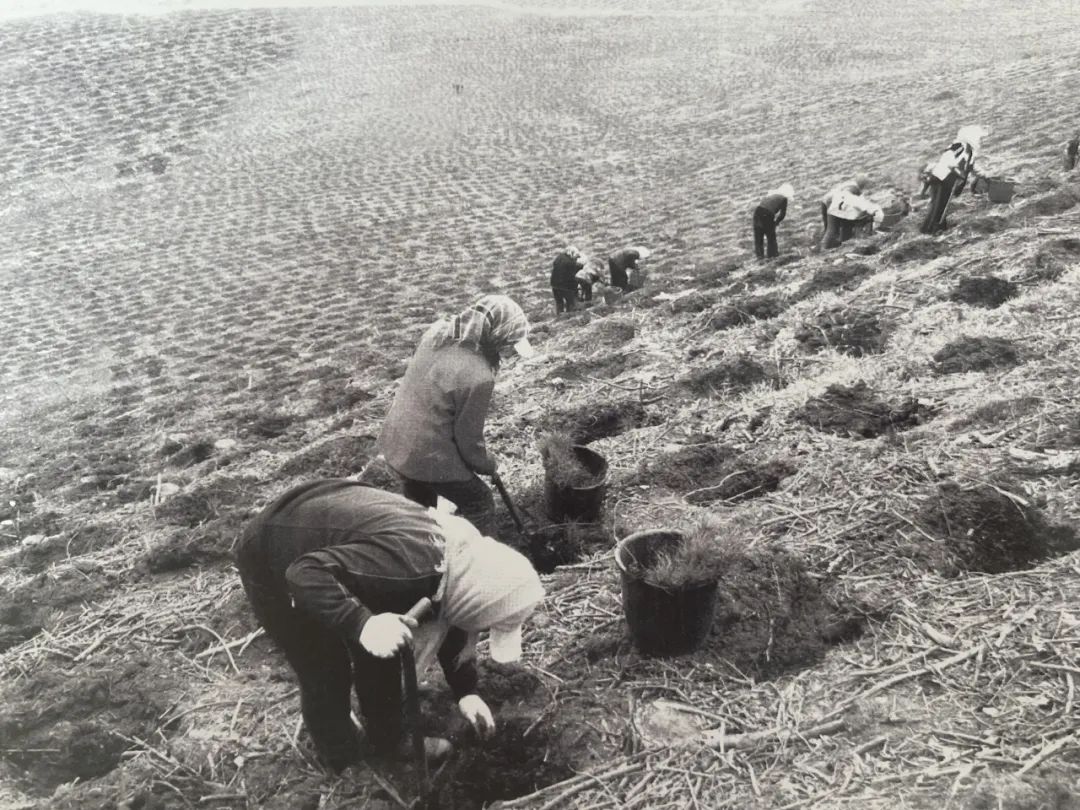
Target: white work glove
{"type": "Point", "coordinates": [478, 714]}
{"type": "Point", "coordinates": [386, 633]}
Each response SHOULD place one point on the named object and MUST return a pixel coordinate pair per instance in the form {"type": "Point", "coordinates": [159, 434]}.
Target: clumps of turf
{"type": "Point", "coordinates": [338, 457]}
{"type": "Point", "coordinates": [1052, 259]}
{"type": "Point", "coordinates": [772, 616]}
{"type": "Point", "coordinates": [923, 248]}
{"type": "Point", "coordinates": [1056, 202]}
{"type": "Point", "coordinates": [564, 544]}
{"type": "Point", "coordinates": [998, 411]}
{"type": "Point", "coordinates": [694, 302]}
{"type": "Point", "coordinates": [988, 292]}
{"type": "Point", "coordinates": [208, 500]}
{"type": "Point", "coordinates": [562, 466]}
{"type": "Point", "coordinates": [710, 473]}
{"type": "Point", "coordinates": [855, 332]}
{"type": "Point", "coordinates": [1027, 792]}
{"type": "Point", "coordinates": [985, 527]}
{"type": "Point", "coordinates": [727, 377]}
{"type": "Point", "coordinates": [588, 423]}
{"type": "Point", "coordinates": [834, 277]}
{"type": "Point", "coordinates": [182, 451]}
{"type": "Point", "coordinates": [856, 412]}
{"type": "Point", "coordinates": [975, 354]}
{"type": "Point", "coordinates": [747, 310]}
{"type": "Point", "coordinates": [605, 366]}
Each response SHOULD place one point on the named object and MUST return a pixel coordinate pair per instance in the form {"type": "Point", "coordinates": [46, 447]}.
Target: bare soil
{"type": "Point", "coordinates": [988, 292]}
{"type": "Point", "coordinates": [856, 332]}
{"type": "Point", "coordinates": [856, 412]}
{"type": "Point", "coordinates": [975, 353]}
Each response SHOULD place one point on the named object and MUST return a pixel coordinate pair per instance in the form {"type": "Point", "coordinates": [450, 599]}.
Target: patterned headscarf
{"type": "Point", "coordinates": [493, 323]}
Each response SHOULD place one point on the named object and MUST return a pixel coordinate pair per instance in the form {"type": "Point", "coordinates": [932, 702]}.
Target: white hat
{"type": "Point", "coordinates": [524, 348]}
{"type": "Point", "coordinates": [786, 190]}
{"type": "Point", "coordinates": [642, 252]}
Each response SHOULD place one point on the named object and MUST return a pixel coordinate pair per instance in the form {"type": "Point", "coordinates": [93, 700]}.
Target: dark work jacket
{"type": "Point", "coordinates": [776, 204]}
{"type": "Point", "coordinates": [564, 272]}
{"type": "Point", "coordinates": [345, 552]}
{"type": "Point", "coordinates": [619, 263]}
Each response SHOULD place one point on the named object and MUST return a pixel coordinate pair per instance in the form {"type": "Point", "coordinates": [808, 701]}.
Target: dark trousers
{"type": "Point", "coordinates": [1071, 153]}
{"type": "Point", "coordinates": [618, 276]}
{"type": "Point", "coordinates": [328, 668]}
{"type": "Point", "coordinates": [473, 498]}
{"type": "Point", "coordinates": [764, 231]}
{"type": "Point", "coordinates": [565, 300]}
{"type": "Point", "coordinates": [840, 230]}
{"type": "Point", "coordinates": [941, 192]}
{"type": "Point", "coordinates": [585, 290]}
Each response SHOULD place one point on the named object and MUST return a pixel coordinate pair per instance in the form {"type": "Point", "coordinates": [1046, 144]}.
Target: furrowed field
{"type": "Point", "coordinates": [222, 232]}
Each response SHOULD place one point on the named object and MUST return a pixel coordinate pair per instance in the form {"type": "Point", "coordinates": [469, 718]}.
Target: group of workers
{"type": "Point", "coordinates": [332, 567]}
{"type": "Point", "coordinates": [846, 211]}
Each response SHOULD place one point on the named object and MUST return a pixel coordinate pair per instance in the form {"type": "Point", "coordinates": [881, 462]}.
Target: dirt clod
{"type": "Point", "coordinates": [834, 277]}
{"type": "Point", "coordinates": [746, 310]}
{"type": "Point", "coordinates": [589, 422]}
{"type": "Point", "coordinates": [975, 354]}
{"type": "Point", "coordinates": [855, 411]}
{"type": "Point", "coordinates": [710, 473]}
{"type": "Point", "coordinates": [854, 332]}
{"type": "Point", "coordinates": [727, 377]}
{"type": "Point", "coordinates": [984, 529]}
{"type": "Point", "coordinates": [988, 292]}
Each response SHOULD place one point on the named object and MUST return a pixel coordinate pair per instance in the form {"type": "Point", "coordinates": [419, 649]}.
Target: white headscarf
{"type": "Point", "coordinates": [486, 583]}
{"type": "Point", "coordinates": [972, 134]}
{"type": "Point", "coordinates": [784, 190]}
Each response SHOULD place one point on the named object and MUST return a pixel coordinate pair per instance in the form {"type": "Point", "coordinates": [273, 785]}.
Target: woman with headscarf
{"type": "Point", "coordinates": [564, 286]}
{"type": "Point", "coordinates": [433, 436]}
{"type": "Point", "coordinates": [856, 185]}
{"type": "Point", "coordinates": [769, 213]}
{"type": "Point", "coordinates": [331, 568]}
{"type": "Point", "coordinates": [950, 174]}
{"type": "Point", "coordinates": [847, 213]}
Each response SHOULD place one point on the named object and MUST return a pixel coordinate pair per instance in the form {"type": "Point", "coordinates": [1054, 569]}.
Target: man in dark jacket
{"type": "Point", "coordinates": [1072, 150]}
{"type": "Point", "coordinates": [330, 568]}
{"type": "Point", "coordinates": [770, 213]}
{"type": "Point", "coordinates": [564, 279]}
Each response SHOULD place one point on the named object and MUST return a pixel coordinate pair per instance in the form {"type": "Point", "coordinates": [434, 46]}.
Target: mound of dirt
{"type": "Point", "coordinates": [604, 366]}
{"type": "Point", "coordinates": [834, 277]}
{"type": "Point", "coordinates": [998, 411]}
{"type": "Point", "coordinates": [612, 333]}
{"type": "Point", "coordinates": [975, 354]}
{"type": "Point", "coordinates": [182, 451]}
{"type": "Point", "coordinates": [988, 292]}
{"type": "Point", "coordinates": [208, 500]}
{"type": "Point", "coordinates": [587, 423]}
{"type": "Point", "coordinates": [202, 545]}
{"type": "Point", "coordinates": [855, 411]}
{"type": "Point", "coordinates": [1052, 259]}
{"type": "Point", "coordinates": [983, 529]}
{"type": "Point", "coordinates": [991, 223]}
{"type": "Point", "coordinates": [565, 543]}
{"type": "Point", "coordinates": [83, 540]}
{"type": "Point", "coordinates": [695, 302]}
{"type": "Point", "coordinates": [746, 310]}
{"type": "Point", "coordinates": [1055, 202]}
{"type": "Point", "coordinates": [728, 377]}
{"type": "Point", "coordinates": [523, 756]}
{"type": "Point", "coordinates": [923, 248]}
{"type": "Point", "coordinates": [772, 616]}
{"type": "Point", "coordinates": [37, 604]}
{"type": "Point", "coordinates": [338, 457]}
{"type": "Point", "coordinates": [72, 724]}
{"type": "Point", "coordinates": [855, 332]}
{"type": "Point", "coordinates": [708, 473]}
{"type": "Point", "coordinates": [505, 684]}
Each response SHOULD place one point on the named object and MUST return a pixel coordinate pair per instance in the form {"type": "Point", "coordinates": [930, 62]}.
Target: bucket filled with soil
{"type": "Point", "coordinates": [669, 581]}
{"type": "Point", "coordinates": [575, 481]}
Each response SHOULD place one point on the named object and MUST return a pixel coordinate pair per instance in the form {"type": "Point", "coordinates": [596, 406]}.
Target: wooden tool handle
{"type": "Point", "coordinates": [420, 610]}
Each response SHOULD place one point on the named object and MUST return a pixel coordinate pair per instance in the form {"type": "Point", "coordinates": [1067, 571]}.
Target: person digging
{"type": "Point", "coordinates": [433, 435]}
{"type": "Point", "coordinates": [331, 568]}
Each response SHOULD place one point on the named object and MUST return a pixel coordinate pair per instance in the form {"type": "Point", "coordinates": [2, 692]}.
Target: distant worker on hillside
{"type": "Point", "coordinates": [769, 213]}
{"type": "Point", "coordinates": [332, 567]}
{"type": "Point", "coordinates": [592, 273]}
{"type": "Point", "coordinates": [624, 272]}
{"type": "Point", "coordinates": [1072, 151]}
{"type": "Point", "coordinates": [859, 184]}
{"type": "Point", "coordinates": [433, 436]}
{"type": "Point", "coordinates": [950, 174]}
{"type": "Point", "coordinates": [847, 214]}
{"type": "Point", "coordinates": [564, 284]}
